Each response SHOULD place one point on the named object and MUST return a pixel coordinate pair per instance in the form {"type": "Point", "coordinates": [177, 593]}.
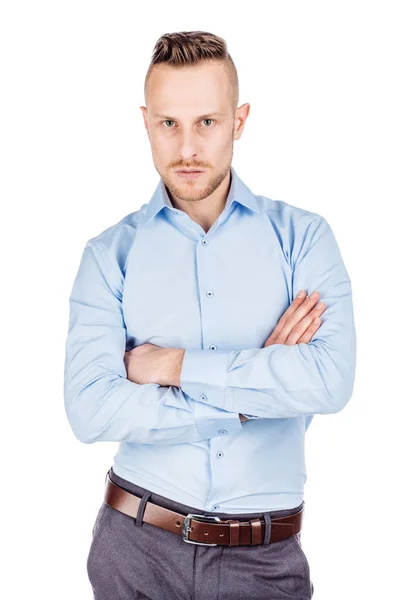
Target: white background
{"type": "Point", "coordinates": [322, 79]}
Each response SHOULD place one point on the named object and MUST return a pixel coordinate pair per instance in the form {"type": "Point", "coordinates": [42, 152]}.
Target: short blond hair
{"type": "Point", "coordinates": [185, 48]}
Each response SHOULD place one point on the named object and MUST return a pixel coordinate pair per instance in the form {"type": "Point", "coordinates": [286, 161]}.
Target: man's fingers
{"type": "Point", "coordinates": [298, 323]}
{"type": "Point", "coordinates": [296, 319]}
{"type": "Point", "coordinates": [308, 334]}
{"type": "Point", "coordinates": [297, 302]}
{"type": "Point", "coordinates": [294, 313]}
{"type": "Point", "coordinates": [301, 311]}
{"type": "Point", "coordinates": [300, 328]}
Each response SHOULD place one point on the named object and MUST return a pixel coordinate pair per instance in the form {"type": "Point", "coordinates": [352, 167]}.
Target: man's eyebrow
{"type": "Point", "coordinates": [206, 116]}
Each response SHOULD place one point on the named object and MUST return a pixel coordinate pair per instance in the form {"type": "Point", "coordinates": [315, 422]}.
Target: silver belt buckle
{"type": "Point", "coordinates": [186, 527]}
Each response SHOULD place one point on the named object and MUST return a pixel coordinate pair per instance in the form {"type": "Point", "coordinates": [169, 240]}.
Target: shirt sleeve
{"type": "Point", "coordinates": [282, 381]}
{"type": "Point", "coordinates": [100, 402]}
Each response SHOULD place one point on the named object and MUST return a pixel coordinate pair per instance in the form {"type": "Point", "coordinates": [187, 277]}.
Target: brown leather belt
{"type": "Point", "coordinates": [207, 530]}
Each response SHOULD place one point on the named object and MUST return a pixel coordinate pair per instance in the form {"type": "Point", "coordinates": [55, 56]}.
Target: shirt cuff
{"type": "Point", "coordinates": [203, 375]}
{"type": "Point", "coordinates": [213, 422]}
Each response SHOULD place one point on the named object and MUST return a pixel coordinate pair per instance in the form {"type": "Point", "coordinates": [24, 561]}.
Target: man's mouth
{"type": "Point", "coordinates": [189, 173]}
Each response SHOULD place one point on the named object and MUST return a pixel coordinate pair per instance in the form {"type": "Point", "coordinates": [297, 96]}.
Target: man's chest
{"type": "Point", "coordinates": [226, 290]}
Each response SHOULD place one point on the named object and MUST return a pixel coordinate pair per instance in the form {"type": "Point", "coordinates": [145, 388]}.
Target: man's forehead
{"type": "Point", "coordinates": [206, 115]}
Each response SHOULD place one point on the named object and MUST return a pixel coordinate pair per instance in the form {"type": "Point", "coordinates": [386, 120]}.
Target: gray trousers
{"type": "Point", "coordinates": [130, 559]}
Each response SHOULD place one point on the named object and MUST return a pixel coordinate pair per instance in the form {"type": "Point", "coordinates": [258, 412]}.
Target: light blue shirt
{"type": "Point", "coordinates": [156, 276]}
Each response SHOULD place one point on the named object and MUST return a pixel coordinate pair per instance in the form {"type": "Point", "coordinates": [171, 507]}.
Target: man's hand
{"type": "Point", "coordinates": [297, 324]}
{"type": "Point", "coordinates": [152, 364]}
{"type": "Point", "coordinates": [148, 363]}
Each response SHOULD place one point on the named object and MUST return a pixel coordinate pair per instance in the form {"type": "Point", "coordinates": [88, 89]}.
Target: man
{"type": "Point", "coordinates": [189, 344]}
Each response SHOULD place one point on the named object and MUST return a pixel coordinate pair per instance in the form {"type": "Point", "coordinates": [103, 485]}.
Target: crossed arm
{"type": "Point", "coordinates": [149, 363]}
{"type": "Point", "coordinates": [188, 395]}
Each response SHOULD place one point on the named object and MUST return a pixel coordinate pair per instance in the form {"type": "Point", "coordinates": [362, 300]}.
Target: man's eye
{"type": "Point", "coordinates": [171, 121]}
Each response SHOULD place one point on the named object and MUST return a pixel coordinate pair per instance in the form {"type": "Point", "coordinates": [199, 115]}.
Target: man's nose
{"type": "Point", "coordinates": [188, 145]}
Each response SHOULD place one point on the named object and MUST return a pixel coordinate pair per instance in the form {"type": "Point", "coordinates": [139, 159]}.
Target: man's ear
{"type": "Point", "coordinates": [241, 114]}
{"type": "Point", "coordinates": [144, 113]}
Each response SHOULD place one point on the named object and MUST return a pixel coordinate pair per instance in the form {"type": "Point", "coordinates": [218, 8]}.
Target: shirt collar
{"type": "Point", "coordinates": [238, 192]}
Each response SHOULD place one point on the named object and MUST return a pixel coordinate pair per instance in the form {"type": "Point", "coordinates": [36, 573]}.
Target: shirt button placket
{"type": "Point", "coordinates": [209, 294]}
{"type": "Point", "coordinates": [216, 443]}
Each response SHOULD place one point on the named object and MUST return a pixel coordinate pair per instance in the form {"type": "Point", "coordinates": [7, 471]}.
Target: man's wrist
{"type": "Point", "coordinates": [174, 366]}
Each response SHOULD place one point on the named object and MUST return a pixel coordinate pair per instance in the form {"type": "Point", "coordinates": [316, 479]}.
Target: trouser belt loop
{"type": "Point", "coordinates": [233, 532]}
{"type": "Point", "coordinates": [107, 475]}
{"type": "Point", "coordinates": [267, 533]}
{"type": "Point", "coordinates": [142, 506]}
{"type": "Point", "coordinates": [255, 532]}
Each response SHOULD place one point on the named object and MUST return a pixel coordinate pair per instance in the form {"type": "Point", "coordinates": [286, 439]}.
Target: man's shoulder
{"type": "Point", "coordinates": [123, 229]}
{"type": "Point", "coordinates": [282, 213]}
{"type": "Point", "coordinates": [115, 241]}
{"type": "Point", "coordinates": [295, 228]}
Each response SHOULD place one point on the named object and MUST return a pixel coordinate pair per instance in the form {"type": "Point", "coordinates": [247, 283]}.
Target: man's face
{"type": "Point", "coordinates": [191, 124]}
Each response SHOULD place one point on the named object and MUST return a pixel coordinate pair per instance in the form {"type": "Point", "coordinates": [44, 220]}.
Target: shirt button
{"type": "Point", "coordinates": [220, 454]}
{"type": "Point", "coordinates": [212, 347]}
{"type": "Point", "coordinates": [203, 397]}
{"type": "Point", "coordinates": [222, 431]}
{"type": "Point", "coordinates": [209, 293]}
{"type": "Point", "coordinates": [204, 241]}
{"type": "Point", "coordinates": [215, 507]}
